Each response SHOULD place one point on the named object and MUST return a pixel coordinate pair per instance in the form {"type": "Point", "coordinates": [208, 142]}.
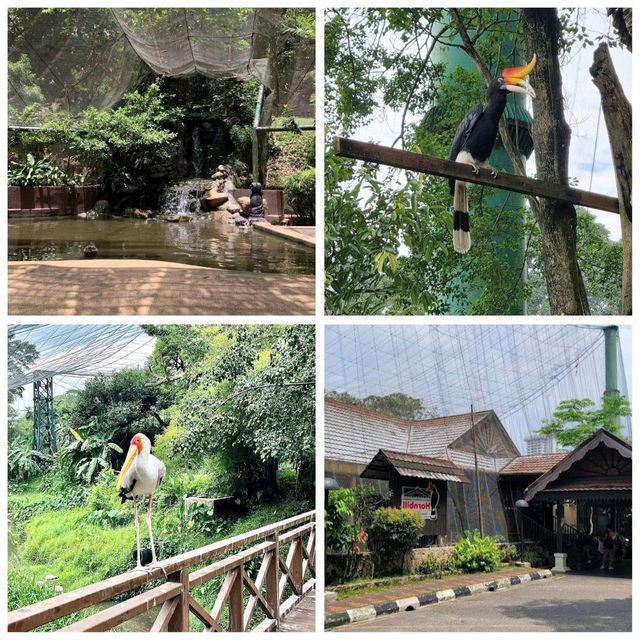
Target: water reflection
{"type": "Point", "coordinates": [202, 241]}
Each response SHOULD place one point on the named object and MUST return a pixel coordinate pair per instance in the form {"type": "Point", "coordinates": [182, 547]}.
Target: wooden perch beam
{"type": "Point", "coordinates": [367, 152]}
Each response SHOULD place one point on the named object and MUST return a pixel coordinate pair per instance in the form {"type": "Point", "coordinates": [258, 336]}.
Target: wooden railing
{"type": "Point", "coordinates": [238, 596]}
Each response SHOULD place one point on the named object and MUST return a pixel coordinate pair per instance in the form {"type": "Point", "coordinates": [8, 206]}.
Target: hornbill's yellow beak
{"type": "Point", "coordinates": [514, 81]}
{"type": "Point", "coordinates": [131, 456]}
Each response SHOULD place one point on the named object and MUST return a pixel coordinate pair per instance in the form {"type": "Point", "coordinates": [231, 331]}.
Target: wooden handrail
{"type": "Point", "coordinates": [174, 592]}
{"type": "Point", "coordinates": [379, 154]}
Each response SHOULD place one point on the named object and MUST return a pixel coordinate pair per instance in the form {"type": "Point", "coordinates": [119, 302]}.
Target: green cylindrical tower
{"type": "Point", "coordinates": [509, 204]}
{"type": "Point", "coordinates": [611, 360]}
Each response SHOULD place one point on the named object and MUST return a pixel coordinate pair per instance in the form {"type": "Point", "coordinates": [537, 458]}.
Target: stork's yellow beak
{"type": "Point", "coordinates": [514, 78]}
{"type": "Point", "coordinates": [131, 456]}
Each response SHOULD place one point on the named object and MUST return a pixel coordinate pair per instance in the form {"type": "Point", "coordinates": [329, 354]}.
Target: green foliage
{"type": "Point", "coordinates": [340, 530]}
{"type": "Point", "coordinates": [393, 532]}
{"type": "Point", "coordinates": [242, 142]}
{"type": "Point", "coordinates": [289, 153]}
{"type": "Point", "coordinates": [21, 355]}
{"type": "Point", "coordinates": [300, 193]}
{"type": "Point", "coordinates": [88, 453]}
{"type": "Point", "coordinates": [25, 462]}
{"type": "Point", "coordinates": [65, 545]}
{"type": "Point", "coordinates": [399, 528]}
{"type": "Point", "coordinates": [508, 553]}
{"type": "Point", "coordinates": [201, 517]}
{"type": "Point", "coordinates": [574, 420]}
{"type": "Point", "coordinates": [600, 261]}
{"type": "Point", "coordinates": [118, 405]}
{"type": "Point", "coordinates": [102, 493]}
{"type": "Point", "coordinates": [23, 589]}
{"type": "Point", "coordinates": [109, 517]}
{"type": "Point", "coordinates": [253, 402]}
{"type": "Point", "coordinates": [436, 564]}
{"type": "Point", "coordinates": [122, 146]}
{"type": "Point", "coordinates": [393, 404]}
{"type": "Point", "coordinates": [535, 556]}
{"type": "Point", "coordinates": [34, 173]}
{"type": "Point", "coordinates": [475, 553]}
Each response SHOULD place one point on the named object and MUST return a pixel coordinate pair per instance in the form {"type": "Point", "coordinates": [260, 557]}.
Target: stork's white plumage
{"type": "Point", "coordinates": [141, 475]}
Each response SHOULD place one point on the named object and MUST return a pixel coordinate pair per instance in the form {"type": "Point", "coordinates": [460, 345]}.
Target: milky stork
{"type": "Point", "coordinates": [141, 475]}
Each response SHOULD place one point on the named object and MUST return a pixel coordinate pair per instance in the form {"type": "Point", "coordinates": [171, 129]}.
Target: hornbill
{"type": "Point", "coordinates": [474, 141]}
{"type": "Point", "coordinates": [141, 475]}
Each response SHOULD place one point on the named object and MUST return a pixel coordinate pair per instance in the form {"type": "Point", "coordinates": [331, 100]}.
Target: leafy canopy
{"type": "Point", "coordinates": [575, 420]}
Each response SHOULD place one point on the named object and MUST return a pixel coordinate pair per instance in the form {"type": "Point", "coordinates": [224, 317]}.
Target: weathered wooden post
{"type": "Point", "coordinates": [179, 621]}
{"type": "Point", "coordinates": [236, 622]}
{"type": "Point", "coordinates": [272, 579]}
{"type": "Point", "coordinates": [296, 564]}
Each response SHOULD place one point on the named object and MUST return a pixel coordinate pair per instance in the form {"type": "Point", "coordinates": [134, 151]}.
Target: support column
{"type": "Point", "coordinates": [611, 359]}
{"type": "Point", "coordinates": [44, 432]}
{"type": "Point", "coordinates": [560, 565]}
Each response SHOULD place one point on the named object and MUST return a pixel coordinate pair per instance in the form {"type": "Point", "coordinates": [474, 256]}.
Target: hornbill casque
{"type": "Point", "coordinates": [474, 141]}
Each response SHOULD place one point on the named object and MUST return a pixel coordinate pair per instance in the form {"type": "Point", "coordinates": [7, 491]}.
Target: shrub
{"type": "Point", "coordinates": [508, 553]}
{"type": "Point", "coordinates": [476, 553]}
{"type": "Point", "coordinates": [339, 526]}
{"type": "Point", "coordinates": [25, 462]}
{"type": "Point", "coordinates": [436, 562]}
{"type": "Point", "coordinates": [36, 173]}
{"type": "Point", "coordinates": [393, 532]}
{"type": "Point", "coordinates": [300, 193]}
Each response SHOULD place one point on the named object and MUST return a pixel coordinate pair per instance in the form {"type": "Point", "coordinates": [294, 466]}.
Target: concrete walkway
{"type": "Point", "coordinates": [414, 589]}
{"type": "Point", "coordinates": [303, 615]}
{"type": "Point", "coordinates": [561, 603]}
{"type": "Point", "coordinates": [149, 287]}
{"type": "Point", "coordinates": [299, 234]}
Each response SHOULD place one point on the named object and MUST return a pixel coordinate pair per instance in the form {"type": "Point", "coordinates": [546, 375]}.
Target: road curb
{"type": "Point", "coordinates": [434, 597]}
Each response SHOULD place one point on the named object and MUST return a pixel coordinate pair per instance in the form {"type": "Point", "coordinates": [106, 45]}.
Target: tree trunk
{"type": "Point", "coordinates": [551, 137]}
{"type": "Point", "coordinates": [617, 116]}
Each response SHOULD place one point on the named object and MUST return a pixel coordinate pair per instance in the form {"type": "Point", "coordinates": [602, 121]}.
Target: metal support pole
{"type": "Point", "coordinates": [559, 526]}
{"type": "Point", "coordinates": [44, 432]}
{"type": "Point", "coordinates": [475, 462]}
{"type": "Point", "coordinates": [256, 137]}
{"type": "Point", "coordinates": [611, 359]}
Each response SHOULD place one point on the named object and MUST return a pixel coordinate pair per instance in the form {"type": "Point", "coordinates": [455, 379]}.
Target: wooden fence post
{"type": "Point", "coordinates": [180, 619]}
{"type": "Point", "coordinates": [272, 580]}
{"type": "Point", "coordinates": [296, 564]}
{"type": "Point", "coordinates": [236, 604]}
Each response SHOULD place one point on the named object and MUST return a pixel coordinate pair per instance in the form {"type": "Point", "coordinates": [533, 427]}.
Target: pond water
{"type": "Point", "coordinates": [202, 241]}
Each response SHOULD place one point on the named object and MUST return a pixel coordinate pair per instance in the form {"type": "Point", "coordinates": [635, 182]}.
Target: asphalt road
{"type": "Point", "coordinates": [560, 603]}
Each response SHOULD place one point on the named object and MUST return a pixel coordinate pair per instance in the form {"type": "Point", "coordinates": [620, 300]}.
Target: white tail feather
{"type": "Point", "coordinates": [461, 239]}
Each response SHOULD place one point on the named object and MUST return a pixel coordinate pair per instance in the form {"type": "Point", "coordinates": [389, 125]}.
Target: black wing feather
{"type": "Point", "coordinates": [462, 135]}
{"type": "Point", "coordinates": [122, 494]}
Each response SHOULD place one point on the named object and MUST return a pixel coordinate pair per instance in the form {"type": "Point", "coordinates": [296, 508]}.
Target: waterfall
{"type": "Point", "coordinates": [196, 153]}
{"type": "Point", "coordinates": [183, 197]}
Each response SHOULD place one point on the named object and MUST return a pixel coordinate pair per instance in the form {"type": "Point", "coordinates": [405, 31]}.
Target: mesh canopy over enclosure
{"type": "Point", "coordinates": [70, 59]}
{"type": "Point", "coordinates": [68, 351]}
{"type": "Point", "coordinates": [522, 372]}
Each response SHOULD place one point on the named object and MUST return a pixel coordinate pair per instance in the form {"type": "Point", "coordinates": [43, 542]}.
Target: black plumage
{"type": "Point", "coordinates": [478, 130]}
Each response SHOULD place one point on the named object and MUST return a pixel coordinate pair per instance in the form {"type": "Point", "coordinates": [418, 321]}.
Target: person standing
{"type": "Point", "coordinates": [608, 548]}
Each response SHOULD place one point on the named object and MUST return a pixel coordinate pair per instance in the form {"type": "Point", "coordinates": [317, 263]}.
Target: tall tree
{"type": "Point", "coordinates": [575, 420]}
{"type": "Point", "coordinates": [551, 138]}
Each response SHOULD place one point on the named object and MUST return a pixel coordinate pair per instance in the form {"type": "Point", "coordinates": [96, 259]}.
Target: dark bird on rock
{"type": "Point", "coordinates": [474, 141]}
{"type": "Point", "coordinates": [90, 251]}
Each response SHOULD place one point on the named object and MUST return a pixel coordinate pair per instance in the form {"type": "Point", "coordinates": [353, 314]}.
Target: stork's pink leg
{"type": "Point", "coordinates": [135, 513]}
{"type": "Point", "coordinates": [153, 546]}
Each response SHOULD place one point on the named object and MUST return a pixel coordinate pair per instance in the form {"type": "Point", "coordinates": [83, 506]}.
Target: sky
{"type": "Point", "coordinates": [78, 352]}
{"type": "Point", "coordinates": [582, 104]}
